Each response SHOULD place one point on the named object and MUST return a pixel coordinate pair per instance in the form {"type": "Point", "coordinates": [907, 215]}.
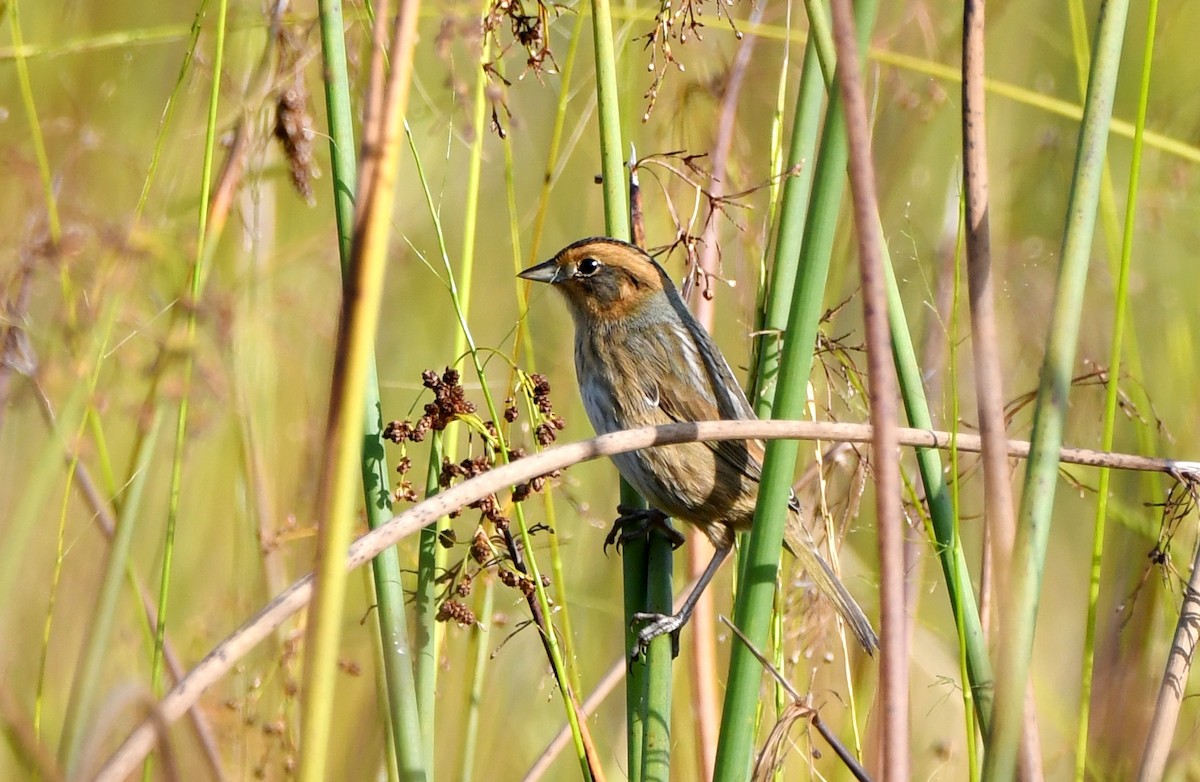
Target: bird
{"type": "Point", "coordinates": [642, 359]}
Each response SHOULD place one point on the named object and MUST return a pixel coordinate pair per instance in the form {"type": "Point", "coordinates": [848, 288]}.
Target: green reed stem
{"type": "Point", "coordinates": [413, 759]}
{"type": "Point", "coordinates": [1050, 410]}
{"type": "Point", "coordinates": [1120, 313]}
{"type": "Point", "coordinates": [760, 565]}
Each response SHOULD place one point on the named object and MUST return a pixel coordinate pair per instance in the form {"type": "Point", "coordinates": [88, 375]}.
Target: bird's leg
{"type": "Point", "coordinates": [671, 623]}
{"type": "Point", "coordinates": [638, 522]}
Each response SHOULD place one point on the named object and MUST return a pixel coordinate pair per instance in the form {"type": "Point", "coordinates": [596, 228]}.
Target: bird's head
{"type": "Point", "coordinates": [604, 280]}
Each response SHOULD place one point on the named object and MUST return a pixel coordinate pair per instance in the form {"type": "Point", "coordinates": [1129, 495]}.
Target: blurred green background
{"type": "Point", "coordinates": [101, 75]}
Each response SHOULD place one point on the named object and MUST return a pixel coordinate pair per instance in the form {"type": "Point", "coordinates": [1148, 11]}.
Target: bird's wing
{"type": "Point", "coordinates": [683, 402]}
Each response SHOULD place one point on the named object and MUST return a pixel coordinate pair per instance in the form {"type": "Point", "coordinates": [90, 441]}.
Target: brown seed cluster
{"type": "Point", "coordinates": [523, 491]}
{"type": "Point", "coordinates": [539, 393]}
{"type": "Point", "coordinates": [449, 403]}
{"type": "Point", "coordinates": [456, 611]}
{"type": "Point", "coordinates": [293, 121]}
{"type": "Point", "coordinates": [529, 23]}
{"type": "Point", "coordinates": [488, 548]}
{"type": "Point", "coordinates": [481, 547]}
{"type": "Point", "coordinates": [524, 584]}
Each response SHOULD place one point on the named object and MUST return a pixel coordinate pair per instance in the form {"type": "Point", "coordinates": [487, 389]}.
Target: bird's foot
{"type": "Point", "coordinates": [639, 522]}
{"type": "Point", "coordinates": [657, 624]}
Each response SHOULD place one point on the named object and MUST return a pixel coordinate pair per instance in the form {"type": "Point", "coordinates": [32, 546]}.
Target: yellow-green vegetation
{"type": "Point", "coordinates": [175, 232]}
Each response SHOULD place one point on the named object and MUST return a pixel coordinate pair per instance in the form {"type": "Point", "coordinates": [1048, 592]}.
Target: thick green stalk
{"type": "Point", "coordinates": [752, 610]}
{"type": "Point", "coordinates": [656, 727]}
{"type": "Point", "coordinates": [612, 162]}
{"type": "Point", "coordinates": [401, 704]}
{"type": "Point", "coordinates": [648, 704]}
{"type": "Point", "coordinates": [794, 204]}
{"type": "Point", "coordinates": [1120, 311]}
{"type": "Point", "coordinates": [340, 469]}
{"type": "Point", "coordinates": [1041, 473]}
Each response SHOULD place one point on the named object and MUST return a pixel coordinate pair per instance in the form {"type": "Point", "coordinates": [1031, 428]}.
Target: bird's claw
{"type": "Point", "coordinates": [639, 522]}
{"type": "Point", "coordinates": [658, 624]}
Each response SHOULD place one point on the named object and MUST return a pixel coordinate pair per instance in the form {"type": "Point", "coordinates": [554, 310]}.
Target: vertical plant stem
{"type": "Point", "coordinates": [656, 741]}
{"type": "Point", "coordinates": [404, 719]}
{"type": "Point", "coordinates": [1111, 392]}
{"type": "Point", "coordinates": [889, 525]}
{"type": "Point", "coordinates": [646, 681]}
{"type": "Point", "coordinates": [760, 560]}
{"type": "Point", "coordinates": [86, 681]}
{"type": "Point", "coordinates": [650, 591]}
{"type": "Point", "coordinates": [969, 694]}
{"type": "Point", "coordinates": [943, 516]}
{"type": "Point", "coordinates": [1041, 472]}
{"type": "Point", "coordinates": [341, 464]}
{"type": "Point", "coordinates": [479, 660]}
{"type": "Point", "coordinates": [793, 209]}
{"type": "Point", "coordinates": [35, 126]}
{"type": "Point", "coordinates": [432, 557]}
{"type": "Point", "coordinates": [702, 662]}
{"type": "Point", "coordinates": [616, 205]}
{"type": "Point", "coordinates": [519, 547]}
{"type": "Point", "coordinates": [985, 342]}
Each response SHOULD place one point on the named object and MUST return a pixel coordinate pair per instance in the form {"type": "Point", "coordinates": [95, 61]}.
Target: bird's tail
{"type": "Point", "coordinates": [800, 543]}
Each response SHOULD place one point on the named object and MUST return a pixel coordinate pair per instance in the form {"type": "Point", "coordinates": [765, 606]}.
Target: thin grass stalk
{"type": "Point", "coordinates": [1053, 391]}
{"type": "Point", "coordinates": [570, 658]}
{"type": "Point", "coordinates": [88, 674]}
{"type": "Point", "coordinates": [552, 155]}
{"type": "Point", "coordinates": [169, 110]}
{"type": "Point", "coordinates": [969, 692]}
{"type": "Point", "coordinates": [760, 564]}
{"type": "Point", "coordinates": [892, 697]}
{"type": "Point", "coordinates": [525, 563]}
{"type": "Point", "coordinates": [943, 515]}
{"type": "Point", "coordinates": [479, 659]}
{"type": "Point", "coordinates": [60, 436]}
{"type": "Point", "coordinates": [404, 725]}
{"type": "Point", "coordinates": [84, 691]}
{"type": "Point", "coordinates": [775, 153]}
{"type": "Point", "coordinates": [1116, 347]}
{"type": "Point", "coordinates": [341, 468]}
{"type": "Point", "coordinates": [524, 340]}
{"type": "Point", "coordinates": [35, 125]}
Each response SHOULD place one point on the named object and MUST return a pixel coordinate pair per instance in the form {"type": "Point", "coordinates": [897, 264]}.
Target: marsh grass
{"type": "Point", "coordinates": [171, 307]}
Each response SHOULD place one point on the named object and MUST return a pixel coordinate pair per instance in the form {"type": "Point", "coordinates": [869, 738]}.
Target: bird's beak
{"type": "Point", "coordinates": [544, 272]}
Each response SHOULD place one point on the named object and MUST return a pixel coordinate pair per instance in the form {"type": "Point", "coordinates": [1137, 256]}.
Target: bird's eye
{"type": "Point", "coordinates": [587, 267]}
